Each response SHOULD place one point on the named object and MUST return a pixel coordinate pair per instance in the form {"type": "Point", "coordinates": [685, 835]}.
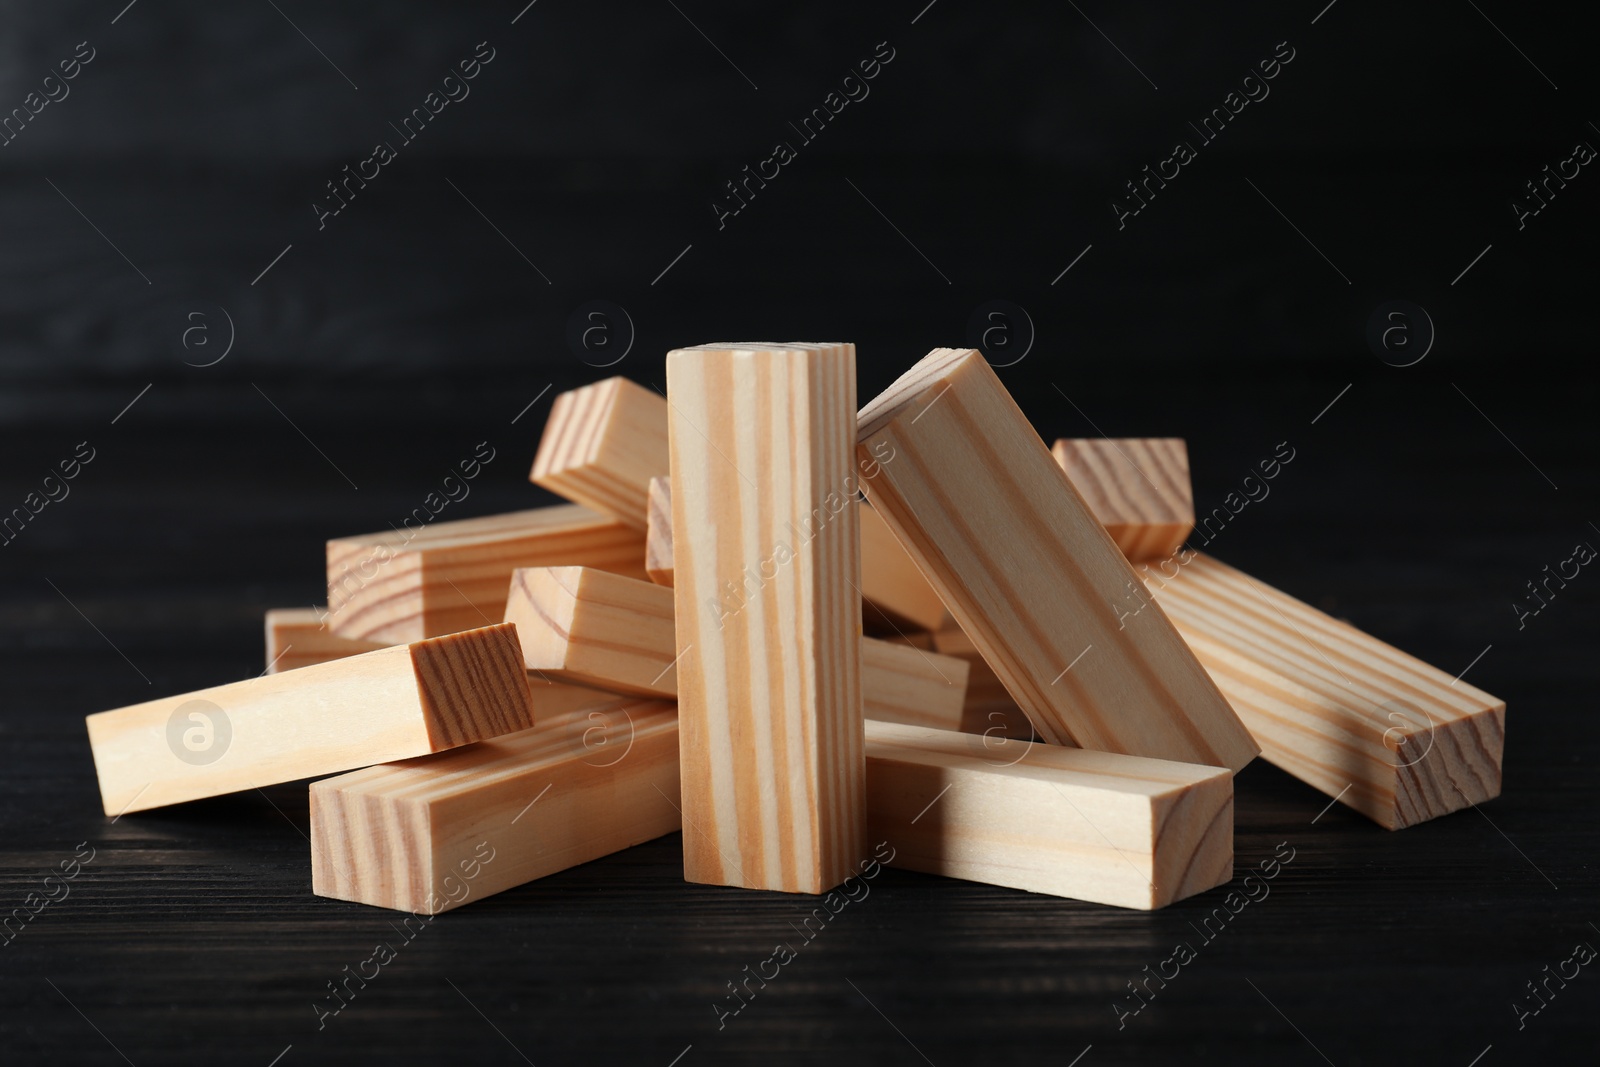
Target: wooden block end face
{"type": "Point", "coordinates": [1137, 487]}
{"type": "Point", "coordinates": [1444, 768]}
{"type": "Point", "coordinates": [374, 591]}
{"type": "Point", "coordinates": [1194, 839]}
{"type": "Point", "coordinates": [766, 574]}
{"type": "Point", "coordinates": [370, 849]}
{"type": "Point", "coordinates": [472, 685]}
{"type": "Point", "coordinates": [601, 445]}
{"type": "Point", "coordinates": [541, 604]}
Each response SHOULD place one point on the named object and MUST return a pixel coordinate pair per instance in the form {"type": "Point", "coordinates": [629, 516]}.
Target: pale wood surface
{"type": "Point", "coordinates": [763, 493]}
{"type": "Point", "coordinates": [658, 533]}
{"type": "Point", "coordinates": [414, 835]}
{"type": "Point", "coordinates": [393, 703]}
{"type": "Point", "coordinates": [891, 584]}
{"type": "Point", "coordinates": [1392, 737]}
{"type": "Point", "coordinates": [297, 637]}
{"type": "Point", "coordinates": [1097, 826]}
{"type": "Point", "coordinates": [591, 628]}
{"type": "Point", "coordinates": [1030, 575]}
{"type": "Point", "coordinates": [1138, 487]}
{"type": "Point", "coordinates": [601, 446]}
{"type": "Point", "coordinates": [987, 707]}
{"type": "Point", "coordinates": [407, 584]}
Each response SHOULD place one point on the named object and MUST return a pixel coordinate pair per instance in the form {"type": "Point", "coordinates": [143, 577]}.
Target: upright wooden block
{"type": "Point", "coordinates": [767, 567]}
{"type": "Point", "coordinates": [658, 533]}
{"type": "Point", "coordinates": [891, 584]}
{"type": "Point", "coordinates": [1388, 735]}
{"type": "Point", "coordinates": [396, 702]}
{"type": "Point", "coordinates": [412, 583]}
{"type": "Point", "coordinates": [1030, 575]}
{"type": "Point", "coordinates": [601, 446]}
{"type": "Point", "coordinates": [427, 835]}
{"type": "Point", "coordinates": [1138, 487]}
{"type": "Point", "coordinates": [1122, 830]}
{"type": "Point", "coordinates": [587, 627]}
{"type": "Point", "coordinates": [297, 637]}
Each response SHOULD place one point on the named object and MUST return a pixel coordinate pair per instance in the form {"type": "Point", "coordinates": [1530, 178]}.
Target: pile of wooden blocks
{"type": "Point", "coordinates": [1002, 662]}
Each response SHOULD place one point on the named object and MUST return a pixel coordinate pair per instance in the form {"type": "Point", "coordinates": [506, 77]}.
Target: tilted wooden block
{"type": "Point", "coordinates": [1030, 575]}
{"type": "Point", "coordinates": [296, 637]}
{"type": "Point", "coordinates": [426, 835]}
{"type": "Point", "coordinates": [1390, 736]}
{"type": "Point", "coordinates": [396, 702]}
{"type": "Point", "coordinates": [767, 571]}
{"type": "Point", "coordinates": [1097, 826]}
{"type": "Point", "coordinates": [1138, 487]}
{"type": "Point", "coordinates": [891, 584]}
{"type": "Point", "coordinates": [601, 446]}
{"type": "Point", "coordinates": [412, 583]}
{"type": "Point", "coordinates": [658, 533]}
{"type": "Point", "coordinates": [588, 627]}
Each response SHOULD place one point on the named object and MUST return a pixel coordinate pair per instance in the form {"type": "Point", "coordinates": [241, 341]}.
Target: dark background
{"type": "Point", "coordinates": [433, 313]}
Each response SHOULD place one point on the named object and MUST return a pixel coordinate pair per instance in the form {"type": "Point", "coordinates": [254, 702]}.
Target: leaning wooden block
{"type": "Point", "coordinates": [396, 702]}
{"type": "Point", "coordinates": [987, 707]}
{"type": "Point", "coordinates": [297, 637]}
{"type": "Point", "coordinates": [1097, 826]}
{"type": "Point", "coordinates": [1030, 575]}
{"type": "Point", "coordinates": [767, 570]}
{"type": "Point", "coordinates": [1388, 735]}
{"type": "Point", "coordinates": [588, 627]}
{"type": "Point", "coordinates": [1138, 487]}
{"type": "Point", "coordinates": [658, 533]}
{"type": "Point", "coordinates": [427, 835]}
{"type": "Point", "coordinates": [601, 446]}
{"type": "Point", "coordinates": [412, 583]}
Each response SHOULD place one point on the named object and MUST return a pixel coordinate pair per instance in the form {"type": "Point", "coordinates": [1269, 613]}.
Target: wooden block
{"type": "Point", "coordinates": [396, 702]}
{"type": "Point", "coordinates": [591, 628]}
{"type": "Point", "coordinates": [1097, 826]}
{"type": "Point", "coordinates": [412, 583]}
{"type": "Point", "coordinates": [891, 584]}
{"type": "Point", "coordinates": [658, 533]}
{"type": "Point", "coordinates": [296, 637]}
{"type": "Point", "coordinates": [1026, 570]}
{"type": "Point", "coordinates": [1395, 739]}
{"type": "Point", "coordinates": [601, 446]}
{"type": "Point", "coordinates": [767, 570]}
{"type": "Point", "coordinates": [1138, 487]}
{"type": "Point", "coordinates": [426, 835]}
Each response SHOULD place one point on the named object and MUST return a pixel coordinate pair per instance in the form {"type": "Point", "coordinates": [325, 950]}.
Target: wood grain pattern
{"type": "Point", "coordinates": [767, 571]}
{"type": "Point", "coordinates": [987, 707]}
{"type": "Point", "coordinates": [408, 584]}
{"type": "Point", "coordinates": [601, 446]}
{"type": "Point", "coordinates": [1390, 736]}
{"type": "Point", "coordinates": [1030, 575]}
{"type": "Point", "coordinates": [393, 703]}
{"type": "Point", "coordinates": [658, 533]}
{"type": "Point", "coordinates": [297, 637]}
{"type": "Point", "coordinates": [591, 628]}
{"type": "Point", "coordinates": [427, 835]}
{"type": "Point", "coordinates": [1097, 826]}
{"type": "Point", "coordinates": [1138, 487]}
